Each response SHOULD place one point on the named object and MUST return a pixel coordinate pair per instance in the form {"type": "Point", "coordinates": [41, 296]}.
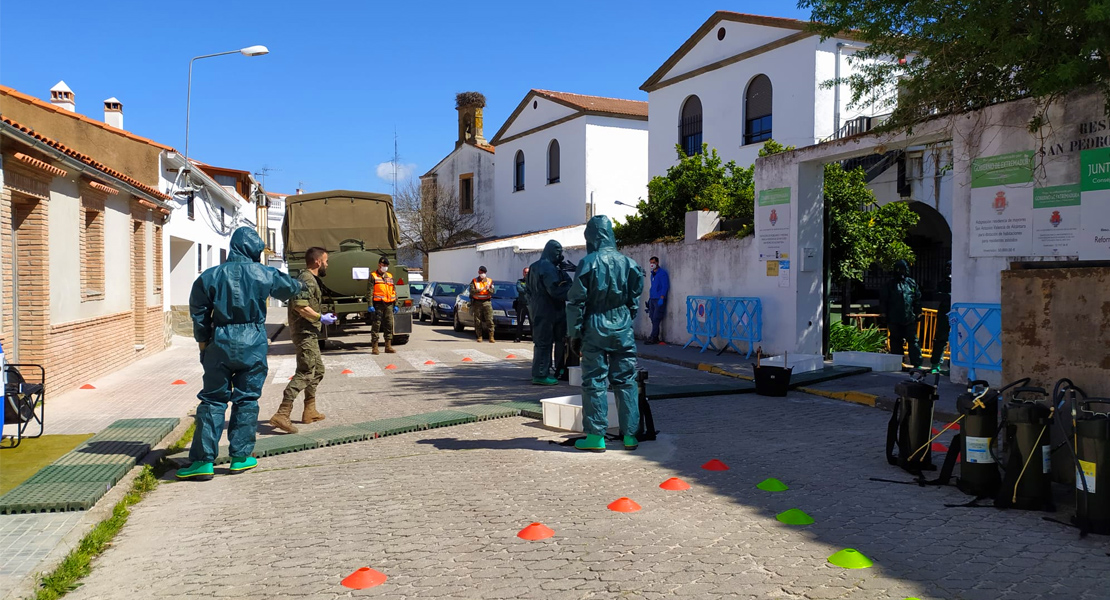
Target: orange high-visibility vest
{"type": "Point", "coordinates": [383, 287]}
{"type": "Point", "coordinates": [482, 290]}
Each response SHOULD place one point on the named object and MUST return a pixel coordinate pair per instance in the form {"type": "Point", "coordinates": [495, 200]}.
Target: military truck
{"type": "Point", "coordinates": [356, 228]}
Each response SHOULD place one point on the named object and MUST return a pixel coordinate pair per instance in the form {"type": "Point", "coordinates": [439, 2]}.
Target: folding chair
{"type": "Point", "coordinates": [23, 403]}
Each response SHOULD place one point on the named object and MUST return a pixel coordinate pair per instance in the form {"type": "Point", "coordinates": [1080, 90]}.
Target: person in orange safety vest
{"type": "Point", "coordinates": [481, 305]}
{"type": "Point", "coordinates": [382, 307]}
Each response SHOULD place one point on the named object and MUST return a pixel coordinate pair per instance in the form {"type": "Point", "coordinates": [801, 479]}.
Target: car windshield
{"type": "Point", "coordinates": [416, 288]}
{"type": "Point", "coordinates": [449, 289]}
{"type": "Point", "coordinates": [505, 290]}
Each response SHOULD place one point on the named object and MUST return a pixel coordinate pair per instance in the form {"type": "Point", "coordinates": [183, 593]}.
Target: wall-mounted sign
{"type": "Point", "coordinates": [1002, 205]}
{"type": "Point", "coordinates": [772, 223]}
{"type": "Point", "coordinates": [1056, 221]}
{"type": "Point", "coordinates": [1094, 181]}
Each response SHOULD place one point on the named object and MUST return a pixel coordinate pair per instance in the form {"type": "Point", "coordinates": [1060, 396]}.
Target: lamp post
{"type": "Point", "coordinates": [248, 51]}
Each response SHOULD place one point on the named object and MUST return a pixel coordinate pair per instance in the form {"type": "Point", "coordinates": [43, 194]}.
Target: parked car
{"type": "Point", "coordinates": [416, 289]}
{"type": "Point", "coordinates": [437, 302]}
{"type": "Point", "coordinates": [504, 315]}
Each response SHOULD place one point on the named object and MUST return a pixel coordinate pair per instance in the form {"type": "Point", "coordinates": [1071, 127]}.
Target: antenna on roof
{"type": "Point", "coordinates": [263, 172]}
{"type": "Point", "coordinates": [396, 161]}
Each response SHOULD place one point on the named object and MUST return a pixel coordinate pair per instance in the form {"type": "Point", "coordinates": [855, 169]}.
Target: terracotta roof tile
{"type": "Point", "coordinates": [485, 147]}
{"type": "Point", "coordinates": [42, 103]}
{"type": "Point", "coordinates": [599, 104]}
{"type": "Point", "coordinates": [88, 160]}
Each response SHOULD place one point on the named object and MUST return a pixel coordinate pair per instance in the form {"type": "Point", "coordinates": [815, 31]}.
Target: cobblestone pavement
{"type": "Point", "coordinates": [438, 512]}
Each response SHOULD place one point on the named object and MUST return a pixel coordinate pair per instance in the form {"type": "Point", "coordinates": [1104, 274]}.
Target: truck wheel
{"type": "Point", "coordinates": [400, 340]}
{"type": "Point", "coordinates": [458, 325]}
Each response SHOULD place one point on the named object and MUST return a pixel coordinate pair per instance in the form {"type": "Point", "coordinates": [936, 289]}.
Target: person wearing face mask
{"type": "Point", "coordinates": [383, 306]}
{"type": "Point", "coordinates": [228, 306]}
{"type": "Point", "coordinates": [481, 297]}
{"type": "Point", "coordinates": [305, 320]}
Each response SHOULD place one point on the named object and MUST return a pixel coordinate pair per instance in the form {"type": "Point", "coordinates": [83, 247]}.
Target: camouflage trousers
{"type": "Point", "coordinates": [381, 320]}
{"type": "Point", "coordinates": [310, 367]}
{"type": "Point", "coordinates": [483, 317]}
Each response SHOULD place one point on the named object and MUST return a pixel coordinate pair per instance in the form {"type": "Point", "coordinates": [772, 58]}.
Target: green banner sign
{"type": "Point", "coordinates": [1056, 196]}
{"type": "Point", "coordinates": [1014, 168]}
{"type": "Point", "coordinates": [774, 196]}
{"type": "Point", "coordinates": [1095, 173]}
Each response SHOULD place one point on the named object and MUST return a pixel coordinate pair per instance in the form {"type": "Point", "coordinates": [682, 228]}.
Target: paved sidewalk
{"type": "Point", "coordinates": [869, 388]}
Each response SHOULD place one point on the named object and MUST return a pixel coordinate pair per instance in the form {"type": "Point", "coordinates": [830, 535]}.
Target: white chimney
{"type": "Point", "coordinates": [113, 113]}
{"type": "Point", "coordinates": [62, 97]}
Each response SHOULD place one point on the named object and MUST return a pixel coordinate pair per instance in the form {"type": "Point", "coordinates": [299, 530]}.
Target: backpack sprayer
{"type": "Point", "coordinates": [1090, 450]}
{"type": "Point", "coordinates": [910, 424]}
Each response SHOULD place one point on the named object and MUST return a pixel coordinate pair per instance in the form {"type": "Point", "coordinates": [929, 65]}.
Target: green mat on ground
{"type": "Point", "coordinates": [23, 461]}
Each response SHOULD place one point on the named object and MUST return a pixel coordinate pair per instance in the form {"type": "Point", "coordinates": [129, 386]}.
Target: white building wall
{"type": "Point", "coordinates": [616, 165]}
{"type": "Point", "coordinates": [541, 205]}
{"type": "Point", "coordinates": [538, 112]}
{"type": "Point", "coordinates": [450, 265]}
{"type": "Point", "coordinates": [468, 159]}
{"type": "Point", "coordinates": [739, 37]}
{"type": "Point", "coordinates": [502, 264]}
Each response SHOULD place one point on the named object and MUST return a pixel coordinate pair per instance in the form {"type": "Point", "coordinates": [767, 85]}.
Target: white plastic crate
{"type": "Point", "coordinates": [877, 361]}
{"type": "Point", "coordinates": [565, 412]}
{"type": "Point", "coordinates": [575, 376]}
{"type": "Point", "coordinates": [801, 363]}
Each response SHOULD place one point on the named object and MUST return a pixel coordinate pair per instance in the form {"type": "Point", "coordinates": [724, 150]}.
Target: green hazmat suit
{"type": "Point", "coordinates": [902, 302]}
{"type": "Point", "coordinates": [228, 306]}
{"type": "Point", "coordinates": [600, 308]}
{"type": "Point", "coordinates": [547, 286]}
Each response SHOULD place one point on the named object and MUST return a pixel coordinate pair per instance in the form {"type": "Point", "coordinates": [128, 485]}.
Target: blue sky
{"type": "Point", "coordinates": [322, 107]}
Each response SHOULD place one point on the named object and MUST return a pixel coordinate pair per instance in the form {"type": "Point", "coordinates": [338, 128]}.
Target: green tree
{"type": "Point", "coordinates": [862, 234]}
{"type": "Point", "coordinates": [699, 182]}
{"type": "Point", "coordinates": [963, 55]}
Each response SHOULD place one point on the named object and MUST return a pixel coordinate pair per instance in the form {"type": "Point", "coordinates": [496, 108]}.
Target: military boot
{"type": "Point", "coordinates": [281, 419]}
{"type": "Point", "coordinates": [310, 415]}
{"type": "Point", "coordinates": [491, 336]}
{"type": "Point", "coordinates": [389, 347]}
{"type": "Point", "coordinates": [374, 347]}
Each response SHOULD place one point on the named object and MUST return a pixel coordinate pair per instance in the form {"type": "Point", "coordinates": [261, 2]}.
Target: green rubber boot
{"type": "Point", "coordinates": [591, 443]}
{"type": "Point", "coordinates": [198, 471]}
{"type": "Point", "coordinates": [239, 465]}
{"type": "Point", "coordinates": [630, 442]}
{"type": "Point", "coordinates": [545, 381]}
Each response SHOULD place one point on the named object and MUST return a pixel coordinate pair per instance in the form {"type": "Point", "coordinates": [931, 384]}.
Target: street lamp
{"type": "Point", "coordinates": [619, 203]}
{"type": "Point", "coordinates": [248, 51]}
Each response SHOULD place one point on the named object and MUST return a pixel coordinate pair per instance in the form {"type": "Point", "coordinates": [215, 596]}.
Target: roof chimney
{"type": "Point", "coordinates": [113, 113]}
{"type": "Point", "coordinates": [470, 105]}
{"type": "Point", "coordinates": [62, 97]}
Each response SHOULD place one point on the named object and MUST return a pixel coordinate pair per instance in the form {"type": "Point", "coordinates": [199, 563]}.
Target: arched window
{"type": "Point", "coordinates": [518, 174]}
{"type": "Point", "coordinates": [757, 110]}
{"type": "Point", "coordinates": [553, 162]}
{"type": "Point", "coordinates": [689, 126]}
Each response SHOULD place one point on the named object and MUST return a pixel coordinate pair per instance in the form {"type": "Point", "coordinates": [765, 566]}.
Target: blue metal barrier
{"type": "Point", "coordinates": [741, 320]}
{"type": "Point", "coordinates": [976, 337]}
{"type": "Point", "coordinates": [701, 320]}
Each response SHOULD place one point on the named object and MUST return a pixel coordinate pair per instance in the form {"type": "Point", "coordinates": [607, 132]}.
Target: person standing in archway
{"type": "Point", "coordinates": [901, 300]}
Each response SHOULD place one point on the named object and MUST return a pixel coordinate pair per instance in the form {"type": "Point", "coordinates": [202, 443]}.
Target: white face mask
{"type": "Point", "coordinates": [383, 270]}
{"type": "Point", "coordinates": [482, 276]}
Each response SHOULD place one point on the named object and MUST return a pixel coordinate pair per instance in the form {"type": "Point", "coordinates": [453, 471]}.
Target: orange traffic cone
{"type": "Point", "coordinates": [674, 484]}
{"type": "Point", "coordinates": [364, 578]}
{"type": "Point", "coordinates": [346, 372]}
{"type": "Point", "coordinates": [624, 505]}
{"type": "Point", "coordinates": [715, 465]}
{"type": "Point", "coordinates": [535, 531]}
{"type": "Point", "coordinates": [429, 362]}
{"type": "Point", "coordinates": [468, 359]}
{"type": "Point", "coordinates": [179, 382]}
{"type": "Point", "coordinates": [510, 356]}
{"type": "Point", "coordinates": [390, 367]}
{"type": "Point", "coordinates": [88, 386]}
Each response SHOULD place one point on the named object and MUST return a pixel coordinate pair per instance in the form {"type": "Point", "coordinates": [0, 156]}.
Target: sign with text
{"type": "Point", "coordinates": [772, 217]}
{"type": "Point", "coordinates": [1094, 182]}
{"type": "Point", "coordinates": [1056, 221]}
{"type": "Point", "coordinates": [1002, 205]}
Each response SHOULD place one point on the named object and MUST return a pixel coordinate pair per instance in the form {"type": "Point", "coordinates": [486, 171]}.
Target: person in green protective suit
{"type": "Point", "coordinates": [228, 306]}
{"type": "Point", "coordinates": [901, 300]}
{"type": "Point", "coordinates": [601, 305]}
{"type": "Point", "coordinates": [547, 297]}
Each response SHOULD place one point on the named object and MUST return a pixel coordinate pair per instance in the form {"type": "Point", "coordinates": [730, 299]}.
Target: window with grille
{"type": "Point", "coordinates": [518, 175]}
{"type": "Point", "coordinates": [757, 110]}
{"type": "Point", "coordinates": [553, 162]}
{"type": "Point", "coordinates": [689, 127]}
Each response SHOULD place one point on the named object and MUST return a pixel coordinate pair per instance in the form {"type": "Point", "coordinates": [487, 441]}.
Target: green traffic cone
{"type": "Point", "coordinates": [850, 558]}
{"type": "Point", "coordinates": [772, 485]}
{"type": "Point", "coordinates": [795, 516]}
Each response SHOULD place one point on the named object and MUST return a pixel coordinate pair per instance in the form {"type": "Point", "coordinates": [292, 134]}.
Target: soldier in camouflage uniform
{"type": "Point", "coordinates": [305, 320]}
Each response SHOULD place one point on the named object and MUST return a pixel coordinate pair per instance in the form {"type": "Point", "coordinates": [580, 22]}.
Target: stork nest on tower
{"type": "Point", "coordinates": [468, 99]}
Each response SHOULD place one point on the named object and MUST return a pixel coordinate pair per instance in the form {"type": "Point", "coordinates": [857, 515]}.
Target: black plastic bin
{"type": "Point", "coordinates": [772, 381]}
